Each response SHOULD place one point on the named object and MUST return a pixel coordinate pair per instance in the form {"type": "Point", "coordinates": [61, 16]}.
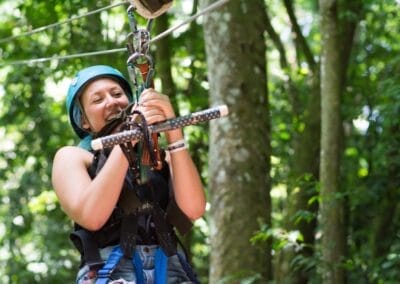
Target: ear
{"type": "Point", "coordinates": [85, 123]}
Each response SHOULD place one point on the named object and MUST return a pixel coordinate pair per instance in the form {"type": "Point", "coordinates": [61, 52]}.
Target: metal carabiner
{"type": "Point", "coordinates": [140, 58]}
{"type": "Point", "coordinates": [131, 17]}
{"type": "Point", "coordinates": [141, 41]}
{"type": "Point", "coordinates": [143, 62]}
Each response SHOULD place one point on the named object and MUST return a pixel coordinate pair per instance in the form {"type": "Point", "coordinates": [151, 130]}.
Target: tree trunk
{"type": "Point", "coordinates": [332, 217]}
{"type": "Point", "coordinates": [304, 176]}
{"type": "Point", "coordinates": [163, 57]}
{"type": "Point", "coordinates": [240, 144]}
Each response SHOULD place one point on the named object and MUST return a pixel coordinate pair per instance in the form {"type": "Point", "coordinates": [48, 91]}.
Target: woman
{"type": "Point", "coordinates": [115, 214]}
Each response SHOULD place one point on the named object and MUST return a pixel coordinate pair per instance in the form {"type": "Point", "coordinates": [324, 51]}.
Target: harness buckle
{"type": "Point", "coordinates": [95, 266]}
{"type": "Point", "coordinates": [146, 207]}
{"type": "Point", "coordinates": [104, 273]}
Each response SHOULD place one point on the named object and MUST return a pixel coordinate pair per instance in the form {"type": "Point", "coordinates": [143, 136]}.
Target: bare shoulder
{"type": "Point", "coordinates": [72, 155]}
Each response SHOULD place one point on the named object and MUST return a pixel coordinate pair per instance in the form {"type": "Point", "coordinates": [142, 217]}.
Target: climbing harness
{"type": "Point", "coordinates": [129, 224]}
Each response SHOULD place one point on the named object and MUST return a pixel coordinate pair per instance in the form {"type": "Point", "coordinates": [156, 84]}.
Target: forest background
{"type": "Point", "coordinates": [303, 176]}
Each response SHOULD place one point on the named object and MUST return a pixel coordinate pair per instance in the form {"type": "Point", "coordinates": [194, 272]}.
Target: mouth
{"type": "Point", "coordinates": [114, 115]}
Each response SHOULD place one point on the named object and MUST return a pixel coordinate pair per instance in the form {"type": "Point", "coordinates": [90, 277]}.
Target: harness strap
{"type": "Point", "coordinates": [137, 263]}
{"type": "Point", "coordinates": [87, 246]}
{"type": "Point", "coordinates": [103, 274]}
{"type": "Point", "coordinates": [128, 234]}
{"type": "Point", "coordinates": [187, 268]}
{"type": "Point", "coordinates": [160, 266]}
{"type": "Point", "coordinates": [164, 233]}
{"type": "Point", "coordinates": [177, 218]}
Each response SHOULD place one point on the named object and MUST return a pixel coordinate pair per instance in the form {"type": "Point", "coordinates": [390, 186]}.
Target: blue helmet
{"type": "Point", "coordinates": [77, 85]}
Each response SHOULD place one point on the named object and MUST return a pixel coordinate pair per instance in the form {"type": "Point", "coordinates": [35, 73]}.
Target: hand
{"type": "Point", "coordinates": [155, 107]}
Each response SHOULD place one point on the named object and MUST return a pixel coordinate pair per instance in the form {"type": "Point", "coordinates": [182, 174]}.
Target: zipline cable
{"type": "Point", "coordinates": [61, 57]}
{"type": "Point", "coordinates": [37, 30]}
{"type": "Point", "coordinates": [208, 9]}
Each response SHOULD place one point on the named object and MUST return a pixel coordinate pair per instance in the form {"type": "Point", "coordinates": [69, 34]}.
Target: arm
{"type": "Point", "coordinates": [188, 189]}
{"type": "Point", "coordinates": [88, 202]}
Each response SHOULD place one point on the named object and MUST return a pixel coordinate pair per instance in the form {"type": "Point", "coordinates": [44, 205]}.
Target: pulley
{"type": "Point", "coordinates": [151, 9]}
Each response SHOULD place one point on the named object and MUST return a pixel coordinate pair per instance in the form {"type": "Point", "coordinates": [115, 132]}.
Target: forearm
{"type": "Point", "coordinates": [188, 189]}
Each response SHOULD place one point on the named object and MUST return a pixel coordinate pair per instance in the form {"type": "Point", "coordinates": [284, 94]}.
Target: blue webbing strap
{"type": "Point", "coordinates": [160, 270]}
{"type": "Point", "coordinates": [160, 263]}
{"type": "Point", "coordinates": [137, 263]}
{"type": "Point", "coordinates": [103, 274]}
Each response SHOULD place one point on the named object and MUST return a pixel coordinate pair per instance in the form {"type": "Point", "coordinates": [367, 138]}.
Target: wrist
{"type": "Point", "coordinates": [177, 146]}
{"type": "Point", "coordinates": [174, 135]}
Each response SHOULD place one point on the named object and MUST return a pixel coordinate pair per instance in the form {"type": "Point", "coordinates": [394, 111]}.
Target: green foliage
{"type": "Point", "coordinates": [34, 231]}
{"type": "Point", "coordinates": [371, 168]}
{"type": "Point", "coordinates": [33, 125]}
{"type": "Point", "coordinates": [281, 238]}
{"type": "Point", "coordinates": [370, 164]}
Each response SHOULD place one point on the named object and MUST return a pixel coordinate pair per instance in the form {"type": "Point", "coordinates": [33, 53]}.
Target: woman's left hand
{"type": "Point", "coordinates": [155, 107]}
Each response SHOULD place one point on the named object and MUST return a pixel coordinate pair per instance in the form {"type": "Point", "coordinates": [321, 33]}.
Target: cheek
{"type": "Point", "coordinates": [93, 112]}
{"type": "Point", "coordinates": [123, 102]}
{"type": "Point", "coordinates": [94, 116]}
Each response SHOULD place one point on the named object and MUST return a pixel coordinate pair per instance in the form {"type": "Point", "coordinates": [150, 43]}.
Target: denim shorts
{"type": "Point", "coordinates": [125, 271]}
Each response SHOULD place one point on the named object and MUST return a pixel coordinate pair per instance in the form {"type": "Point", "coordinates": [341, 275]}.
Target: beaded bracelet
{"type": "Point", "coordinates": [177, 146]}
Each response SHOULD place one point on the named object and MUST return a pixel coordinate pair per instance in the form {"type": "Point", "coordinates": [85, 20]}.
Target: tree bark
{"type": "Point", "coordinates": [240, 144]}
{"type": "Point", "coordinates": [163, 57]}
{"type": "Point", "coordinates": [332, 217]}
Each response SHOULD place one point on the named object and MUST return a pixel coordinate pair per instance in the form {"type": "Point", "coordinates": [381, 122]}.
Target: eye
{"type": "Point", "coordinates": [118, 94]}
{"type": "Point", "coordinates": [96, 100]}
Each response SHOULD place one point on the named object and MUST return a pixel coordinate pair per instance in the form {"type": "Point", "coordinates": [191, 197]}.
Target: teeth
{"type": "Point", "coordinates": [113, 116]}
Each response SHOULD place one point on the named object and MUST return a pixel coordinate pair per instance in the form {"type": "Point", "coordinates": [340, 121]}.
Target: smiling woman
{"type": "Point", "coordinates": [82, 81]}
{"type": "Point", "coordinates": [101, 101]}
{"type": "Point", "coordinates": [124, 222]}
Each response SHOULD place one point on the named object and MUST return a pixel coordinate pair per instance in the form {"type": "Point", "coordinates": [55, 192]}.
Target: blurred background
{"type": "Point", "coordinates": [303, 176]}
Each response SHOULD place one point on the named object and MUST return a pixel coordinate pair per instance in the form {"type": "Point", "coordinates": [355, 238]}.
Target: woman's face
{"type": "Point", "coordinates": [101, 101]}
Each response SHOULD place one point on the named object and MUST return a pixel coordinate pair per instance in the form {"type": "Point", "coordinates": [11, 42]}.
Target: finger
{"type": "Point", "coordinates": [153, 99]}
{"type": "Point", "coordinates": [153, 115]}
{"type": "Point", "coordinates": [150, 96]}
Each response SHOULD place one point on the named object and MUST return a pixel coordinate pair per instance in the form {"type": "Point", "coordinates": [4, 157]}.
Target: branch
{"type": "Point", "coordinates": [277, 42]}
{"type": "Point", "coordinates": [349, 22]}
{"type": "Point", "coordinates": [290, 87]}
{"type": "Point", "coordinates": [301, 41]}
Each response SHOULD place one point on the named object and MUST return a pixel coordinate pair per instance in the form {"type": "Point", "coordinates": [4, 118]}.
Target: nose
{"type": "Point", "coordinates": [111, 101]}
